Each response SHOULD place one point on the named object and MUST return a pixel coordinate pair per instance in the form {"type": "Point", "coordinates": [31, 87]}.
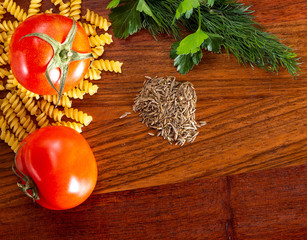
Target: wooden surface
{"type": "Point", "coordinates": [148, 189]}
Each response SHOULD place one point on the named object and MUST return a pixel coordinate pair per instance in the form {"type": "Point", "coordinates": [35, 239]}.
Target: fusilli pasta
{"type": "Point", "coordinates": [7, 136]}
{"type": "Point", "coordinates": [8, 26]}
{"type": "Point", "coordinates": [50, 110]}
{"type": "Point", "coordinates": [75, 93]}
{"type": "Point", "coordinates": [74, 125]}
{"type": "Point", "coordinates": [88, 87]}
{"type": "Point", "coordinates": [64, 101]}
{"type": "Point", "coordinates": [97, 20]}
{"type": "Point", "coordinates": [89, 28]}
{"type": "Point", "coordinates": [106, 65]}
{"type": "Point", "coordinates": [15, 10]}
{"type": "Point", "coordinates": [34, 7]}
{"type": "Point", "coordinates": [100, 40]}
{"type": "Point", "coordinates": [93, 74]}
{"type": "Point", "coordinates": [4, 59]}
{"type": "Point", "coordinates": [42, 119]}
{"type": "Point", "coordinates": [75, 9]}
{"type": "Point", "coordinates": [97, 51]}
{"type": "Point", "coordinates": [78, 116]}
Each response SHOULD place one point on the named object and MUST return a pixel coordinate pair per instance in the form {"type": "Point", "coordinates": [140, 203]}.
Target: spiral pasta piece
{"type": "Point", "coordinates": [29, 102]}
{"type": "Point", "coordinates": [34, 7]}
{"type": "Point", "coordinates": [75, 93]}
{"type": "Point", "coordinates": [49, 10]}
{"type": "Point", "coordinates": [88, 87]}
{"type": "Point", "coordinates": [96, 20]}
{"type": "Point", "coordinates": [64, 101]}
{"type": "Point", "coordinates": [8, 26]}
{"type": "Point", "coordinates": [4, 59]}
{"type": "Point", "coordinates": [93, 74]}
{"type": "Point", "coordinates": [8, 41]}
{"type": "Point", "coordinates": [12, 120]}
{"type": "Point", "coordinates": [64, 9]}
{"type": "Point", "coordinates": [28, 124]}
{"type": "Point", "coordinates": [50, 110]}
{"type": "Point", "coordinates": [78, 116]}
{"type": "Point", "coordinates": [100, 40]}
{"type": "Point", "coordinates": [16, 104]}
{"type": "Point", "coordinates": [4, 72]}
{"type": "Point", "coordinates": [75, 9]}
{"type": "Point", "coordinates": [7, 136]}
{"type": "Point", "coordinates": [88, 28]}
{"type": "Point", "coordinates": [73, 125]}
{"type": "Point", "coordinates": [106, 65]}
{"type": "Point", "coordinates": [15, 10]}
{"type": "Point", "coordinates": [42, 119]}
{"type": "Point", "coordinates": [2, 11]}
{"type": "Point", "coordinates": [97, 51]}
{"type": "Point", "coordinates": [1, 86]}
{"type": "Point", "coordinates": [3, 37]}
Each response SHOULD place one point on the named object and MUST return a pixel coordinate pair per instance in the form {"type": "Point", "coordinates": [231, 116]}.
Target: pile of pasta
{"type": "Point", "coordinates": [22, 111]}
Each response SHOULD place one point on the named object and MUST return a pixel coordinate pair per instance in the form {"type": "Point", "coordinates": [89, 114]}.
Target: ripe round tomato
{"type": "Point", "coordinates": [61, 164]}
{"type": "Point", "coordinates": [29, 56]}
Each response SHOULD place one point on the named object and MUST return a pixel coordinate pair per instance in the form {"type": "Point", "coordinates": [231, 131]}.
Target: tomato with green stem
{"type": "Point", "coordinates": [56, 167]}
{"type": "Point", "coordinates": [49, 54]}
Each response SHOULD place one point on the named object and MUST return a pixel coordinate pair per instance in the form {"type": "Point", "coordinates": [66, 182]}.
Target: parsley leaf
{"type": "Point", "coordinates": [126, 20]}
{"type": "Point", "coordinates": [143, 7]}
{"type": "Point", "coordinates": [113, 4]}
{"type": "Point", "coordinates": [192, 42]}
{"type": "Point", "coordinates": [213, 42]}
{"type": "Point", "coordinates": [186, 7]}
{"type": "Point", "coordinates": [185, 62]}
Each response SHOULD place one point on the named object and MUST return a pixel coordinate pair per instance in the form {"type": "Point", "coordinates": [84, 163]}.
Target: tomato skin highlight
{"type": "Point", "coordinates": [30, 56]}
{"type": "Point", "coordinates": [61, 163]}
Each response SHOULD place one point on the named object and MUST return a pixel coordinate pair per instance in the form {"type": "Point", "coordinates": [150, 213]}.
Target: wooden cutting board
{"type": "Point", "coordinates": [255, 120]}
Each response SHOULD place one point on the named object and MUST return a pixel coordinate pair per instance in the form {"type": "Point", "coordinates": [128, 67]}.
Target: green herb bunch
{"type": "Point", "coordinates": [212, 24]}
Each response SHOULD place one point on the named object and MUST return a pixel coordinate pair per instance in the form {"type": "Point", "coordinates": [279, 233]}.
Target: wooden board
{"type": "Point", "coordinates": [256, 121]}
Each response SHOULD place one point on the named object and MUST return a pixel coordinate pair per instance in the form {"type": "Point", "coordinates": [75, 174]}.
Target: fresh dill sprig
{"type": "Point", "coordinates": [226, 23]}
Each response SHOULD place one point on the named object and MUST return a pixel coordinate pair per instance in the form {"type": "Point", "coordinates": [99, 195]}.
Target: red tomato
{"type": "Point", "coordinates": [62, 165]}
{"type": "Point", "coordinates": [30, 56]}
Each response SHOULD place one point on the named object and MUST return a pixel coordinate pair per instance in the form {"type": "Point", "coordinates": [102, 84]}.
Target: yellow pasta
{"type": "Point", "coordinates": [97, 51]}
{"type": "Point", "coordinates": [4, 72]}
{"type": "Point", "coordinates": [28, 124]}
{"type": "Point", "coordinates": [64, 9]}
{"type": "Point", "coordinates": [73, 125]}
{"type": "Point", "coordinates": [49, 10]}
{"type": "Point", "coordinates": [12, 119]}
{"type": "Point", "coordinates": [50, 110]}
{"type": "Point", "coordinates": [88, 87]}
{"type": "Point", "coordinates": [75, 93]}
{"type": "Point", "coordinates": [4, 59]}
{"type": "Point", "coordinates": [100, 40]}
{"type": "Point", "coordinates": [89, 28]}
{"type": "Point", "coordinates": [64, 101]}
{"type": "Point", "coordinates": [2, 11]}
{"type": "Point", "coordinates": [93, 74]}
{"type": "Point", "coordinates": [34, 7]}
{"type": "Point", "coordinates": [42, 119]}
{"type": "Point", "coordinates": [1, 86]}
{"type": "Point", "coordinates": [8, 26]}
{"type": "Point", "coordinates": [7, 136]}
{"type": "Point", "coordinates": [106, 65]}
{"type": "Point", "coordinates": [16, 104]}
{"type": "Point", "coordinates": [97, 20]}
{"type": "Point", "coordinates": [8, 40]}
{"type": "Point", "coordinates": [3, 37]}
{"type": "Point", "coordinates": [15, 10]}
{"type": "Point", "coordinates": [75, 9]}
{"type": "Point", "coordinates": [78, 116]}
{"type": "Point", "coordinates": [29, 102]}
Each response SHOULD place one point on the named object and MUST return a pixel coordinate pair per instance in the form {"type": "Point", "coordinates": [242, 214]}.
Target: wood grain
{"type": "Point", "coordinates": [256, 121]}
{"type": "Point", "coordinates": [269, 204]}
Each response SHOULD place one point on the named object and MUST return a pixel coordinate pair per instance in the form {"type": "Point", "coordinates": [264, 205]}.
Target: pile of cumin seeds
{"type": "Point", "coordinates": [169, 107]}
